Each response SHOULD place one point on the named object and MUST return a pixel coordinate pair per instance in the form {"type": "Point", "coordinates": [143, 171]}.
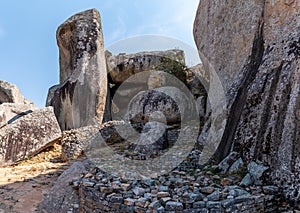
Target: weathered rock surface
{"type": "Point", "coordinates": [12, 103]}
{"type": "Point", "coordinates": [198, 79]}
{"type": "Point", "coordinates": [51, 93]}
{"type": "Point", "coordinates": [198, 85]}
{"type": "Point", "coordinates": [165, 104]}
{"type": "Point", "coordinates": [126, 92]}
{"type": "Point", "coordinates": [3, 119]}
{"type": "Point", "coordinates": [9, 93]}
{"type": "Point", "coordinates": [226, 48]}
{"type": "Point", "coordinates": [255, 174]}
{"type": "Point", "coordinates": [254, 48]}
{"type": "Point", "coordinates": [63, 197]}
{"type": "Point", "coordinates": [236, 166]}
{"type": "Point", "coordinates": [80, 99]}
{"type": "Point", "coordinates": [157, 79]}
{"type": "Point", "coordinates": [107, 111]}
{"type": "Point", "coordinates": [28, 135]}
{"type": "Point", "coordinates": [122, 66]}
{"type": "Point", "coordinates": [13, 111]}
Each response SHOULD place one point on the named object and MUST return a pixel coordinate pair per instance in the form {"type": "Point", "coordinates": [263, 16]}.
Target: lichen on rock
{"type": "Point", "coordinates": [254, 48]}
{"type": "Point", "coordinates": [80, 98]}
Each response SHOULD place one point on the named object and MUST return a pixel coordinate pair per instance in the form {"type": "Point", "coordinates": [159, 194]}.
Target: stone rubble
{"type": "Point", "coordinates": [185, 189]}
{"type": "Point", "coordinates": [178, 191]}
{"type": "Point", "coordinates": [75, 141]}
{"type": "Point", "coordinates": [127, 140]}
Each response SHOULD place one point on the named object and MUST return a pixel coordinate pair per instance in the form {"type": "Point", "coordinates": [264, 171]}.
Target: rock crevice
{"type": "Point", "coordinates": [262, 93]}
{"type": "Point", "coordinates": [239, 101]}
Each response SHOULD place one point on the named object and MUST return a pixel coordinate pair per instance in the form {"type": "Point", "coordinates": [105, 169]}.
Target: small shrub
{"type": "Point", "coordinates": [173, 67]}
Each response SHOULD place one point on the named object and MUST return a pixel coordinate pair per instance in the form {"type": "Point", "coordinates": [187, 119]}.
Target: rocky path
{"type": "Point", "coordinates": [23, 185]}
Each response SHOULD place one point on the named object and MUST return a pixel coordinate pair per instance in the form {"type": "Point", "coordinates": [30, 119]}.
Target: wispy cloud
{"type": "Point", "coordinates": [119, 31]}
{"type": "Point", "coordinates": [174, 18]}
{"type": "Point", "coordinates": [179, 15]}
{"type": "Point", "coordinates": [118, 27]}
{"type": "Point", "coordinates": [171, 18]}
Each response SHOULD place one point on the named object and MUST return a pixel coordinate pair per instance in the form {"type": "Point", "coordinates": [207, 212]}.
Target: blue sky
{"type": "Point", "coordinates": [29, 54]}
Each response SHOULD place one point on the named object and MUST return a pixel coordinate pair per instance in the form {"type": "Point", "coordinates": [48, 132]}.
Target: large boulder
{"type": "Point", "coordinates": [165, 104]}
{"type": "Point", "coordinates": [122, 66]}
{"type": "Point", "coordinates": [9, 93]}
{"type": "Point", "coordinates": [130, 74]}
{"type": "Point", "coordinates": [13, 111]}
{"type": "Point", "coordinates": [12, 103]}
{"type": "Point", "coordinates": [28, 135]}
{"type": "Point", "coordinates": [254, 48]}
{"type": "Point", "coordinates": [80, 98]}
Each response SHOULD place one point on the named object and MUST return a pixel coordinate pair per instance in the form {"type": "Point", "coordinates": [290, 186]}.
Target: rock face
{"type": "Point", "coordinates": [80, 98]}
{"type": "Point", "coordinates": [28, 135]}
{"type": "Point", "coordinates": [254, 47]}
{"type": "Point", "coordinates": [197, 79]}
{"type": "Point", "coordinates": [51, 93]}
{"type": "Point", "coordinates": [123, 66]}
{"type": "Point", "coordinates": [9, 93]}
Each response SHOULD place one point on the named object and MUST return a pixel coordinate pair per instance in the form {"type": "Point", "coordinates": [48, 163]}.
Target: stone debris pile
{"type": "Point", "coordinates": [179, 191]}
